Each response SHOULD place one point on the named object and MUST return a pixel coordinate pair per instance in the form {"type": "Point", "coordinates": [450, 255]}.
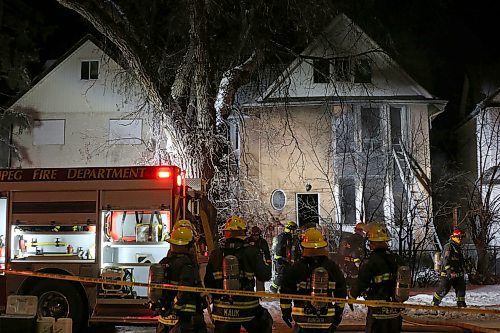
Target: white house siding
{"type": "Point", "coordinates": [87, 106]}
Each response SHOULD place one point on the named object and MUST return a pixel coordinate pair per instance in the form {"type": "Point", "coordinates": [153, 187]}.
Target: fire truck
{"type": "Point", "coordinates": [103, 222]}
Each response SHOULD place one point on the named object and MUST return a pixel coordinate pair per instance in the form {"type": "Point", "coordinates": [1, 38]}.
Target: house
{"type": "Point", "coordinates": [479, 142]}
{"type": "Point", "coordinates": [86, 112]}
{"type": "Point", "coordinates": [340, 137]}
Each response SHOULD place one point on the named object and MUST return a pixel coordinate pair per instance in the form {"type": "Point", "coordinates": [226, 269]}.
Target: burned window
{"type": "Point", "coordinates": [363, 72]}
{"type": "Point", "coordinates": [344, 133]}
{"type": "Point", "coordinates": [321, 71]}
{"type": "Point", "coordinates": [342, 70]}
{"type": "Point", "coordinates": [371, 128]}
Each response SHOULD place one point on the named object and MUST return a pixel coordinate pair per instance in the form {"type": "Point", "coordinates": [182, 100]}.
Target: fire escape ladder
{"type": "Point", "coordinates": [418, 190]}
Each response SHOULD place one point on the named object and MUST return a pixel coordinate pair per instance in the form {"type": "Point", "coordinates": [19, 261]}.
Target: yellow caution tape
{"type": "Point", "coordinates": [261, 294]}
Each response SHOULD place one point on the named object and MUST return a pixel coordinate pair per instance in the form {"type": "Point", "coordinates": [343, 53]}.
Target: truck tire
{"type": "Point", "coordinates": [60, 299]}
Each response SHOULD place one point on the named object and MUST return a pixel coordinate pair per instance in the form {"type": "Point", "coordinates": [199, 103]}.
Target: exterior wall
{"type": "Point", "coordinates": [285, 148]}
{"type": "Point", "coordinates": [287, 156]}
{"type": "Point", "coordinates": [86, 106]}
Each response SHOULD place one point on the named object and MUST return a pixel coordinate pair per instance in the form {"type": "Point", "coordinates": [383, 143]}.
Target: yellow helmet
{"type": "Point", "coordinates": [377, 232]}
{"type": "Point", "coordinates": [313, 239]}
{"type": "Point", "coordinates": [235, 227]}
{"type": "Point", "coordinates": [183, 223]}
{"type": "Point", "coordinates": [290, 225]}
{"type": "Point", "coordinates": [181, 236]}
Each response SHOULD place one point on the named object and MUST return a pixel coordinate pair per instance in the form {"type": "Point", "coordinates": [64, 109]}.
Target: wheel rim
{"type": "Point", "coordinates": [53, 304]}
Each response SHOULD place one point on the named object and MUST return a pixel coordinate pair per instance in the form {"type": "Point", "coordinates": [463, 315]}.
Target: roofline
{"type": "Point", "coordinates": [43, 74]}
{"type": "Point", "coordinates": [485, 103]}
{"type": "Point", "coordinates": [316, 101]}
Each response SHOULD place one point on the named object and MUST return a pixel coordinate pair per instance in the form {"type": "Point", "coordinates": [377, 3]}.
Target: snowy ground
{"type": "Point", "coordinates": [476, 296]}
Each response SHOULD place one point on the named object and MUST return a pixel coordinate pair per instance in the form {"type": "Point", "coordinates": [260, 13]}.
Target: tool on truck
{"type": "Point", "coordinates": [107, 222]}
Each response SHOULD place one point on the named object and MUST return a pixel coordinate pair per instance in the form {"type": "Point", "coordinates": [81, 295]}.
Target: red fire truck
{"type": "Point", "coordinates": [103, 222]}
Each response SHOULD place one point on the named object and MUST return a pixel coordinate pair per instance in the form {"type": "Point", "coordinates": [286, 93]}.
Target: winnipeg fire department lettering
{"type": "Point", "coordinates": [106, 173]}
{"type": "Point", "coordinates": [231, 312]}
{"type": "Point", "coordinates": [9, 175]}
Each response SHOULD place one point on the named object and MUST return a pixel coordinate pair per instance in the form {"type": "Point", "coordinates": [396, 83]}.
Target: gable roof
{"type": "Point", "coordinates": [342, 39]}
{"type": "Point", "coordinates": [36, 81]}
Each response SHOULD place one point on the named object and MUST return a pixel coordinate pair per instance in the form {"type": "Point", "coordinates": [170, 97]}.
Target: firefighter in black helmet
{"type": "Point", "coordinates": [286, 250]}
{"type": "Point", "coordinates": [235, 267]}
{"type": "Point", "coordinates": [452, 270]}
{"type": "Point", "coordinates": [313, 274]}
{"type": "Point", "coordinates": [181, 311]}
{"type": "Point", "coordinates": [377, 279]}
{"type": "Point", "coordinates": [257, 240]}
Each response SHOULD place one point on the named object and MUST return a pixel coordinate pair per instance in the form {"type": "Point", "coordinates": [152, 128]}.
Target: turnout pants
{"type": "Point", "coordinates": [445, 285]}
{"type": "Point", "coordinates": [375, 324]}
{"type": "Point", "coordinates": [187, 324]}
{"type": "Point", "coordinates": [261, 323]}
{"type": "Point", "coordinates": [280, 267]}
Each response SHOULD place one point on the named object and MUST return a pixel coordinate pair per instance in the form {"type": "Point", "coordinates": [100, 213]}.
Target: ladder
{"type": "Point", "coordinates": [418, 191]}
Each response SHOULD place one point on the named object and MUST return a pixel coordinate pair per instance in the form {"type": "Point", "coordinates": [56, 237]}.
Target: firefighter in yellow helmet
{"type": "Point", "coordinates": [236, 266]}
{"type": "Point", "coordinates": [313, 274]}
{"type": "Point", "coordinates": [286, 250]}
{"type": "Point", "coordinates": [452, 270]}
{"type": "Point", "coordinates": [181, 311]}
{"type": "Point", "coordinates": [377, 280]}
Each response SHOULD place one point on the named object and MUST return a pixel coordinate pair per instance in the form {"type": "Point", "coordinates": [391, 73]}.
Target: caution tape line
{"type": "Point", "coordinates": [260, 294]}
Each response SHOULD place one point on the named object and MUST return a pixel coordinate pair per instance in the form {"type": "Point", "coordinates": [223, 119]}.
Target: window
{"type": "Point", "coordinates": [48, 132]}
{"type": "Point", "coordinates": [373, 199]}
{"type": "Point", "coordinates": [347, 191]}
{"type": "Point", "coordinates": [370, 128]}
{"type": "Point", "coordinates": [395, 124]}
{"type": "Point", "coordinates": [342, 70]}
{"type": "Point", "coordinates": [321, 71]}
{"type": "Point", "coordinates": [89, 70]}
{"type": "Point", "coordinates": [278, 199]}
{"type": "Point", "coordinates": [125, 131]}
{"type": "Point", "coordinates": [307, 208]}
{"type": "Point", "coordinates": [344, 133]}
{"type": "Point", "coordinates": [363, 72]}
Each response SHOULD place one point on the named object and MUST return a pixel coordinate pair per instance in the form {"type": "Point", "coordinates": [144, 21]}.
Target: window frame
{"type": "Point", "coordinates": [89, 61]}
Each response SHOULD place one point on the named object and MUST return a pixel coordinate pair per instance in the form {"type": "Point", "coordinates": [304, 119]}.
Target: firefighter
{"type": "Point", "coordinates": [181, 311]}
{"type": "Point", "coordinates": [377, 279]}
{"type": "Point", "coordinates": [286, 250]}
{"type": "Point", "coordinates": [452, 270]}
{"type": "Point", "coordinates": [313, 274]}
{"type": "Point", "coordinates": [257, 240]}
{"type": "Point", "coordinates": [352, 251]}
{"type": "Point", "coordinates": [235, 266]}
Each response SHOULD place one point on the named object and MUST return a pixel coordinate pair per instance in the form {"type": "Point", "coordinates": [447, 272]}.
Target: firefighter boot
{"type": "Point", "coordinates": [436, 300]}
{"type": "Point", "coordinates": [461, 304]}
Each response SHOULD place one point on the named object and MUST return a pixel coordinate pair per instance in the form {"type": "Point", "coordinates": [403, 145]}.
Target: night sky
{"type": "Point", "coordinates": [435, 41]}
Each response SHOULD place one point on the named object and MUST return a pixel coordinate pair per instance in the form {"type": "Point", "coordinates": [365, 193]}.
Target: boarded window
{"type": "Point", "coordinates": [48, 132]}
{"type": "Point", "coordinates": [125, 131]}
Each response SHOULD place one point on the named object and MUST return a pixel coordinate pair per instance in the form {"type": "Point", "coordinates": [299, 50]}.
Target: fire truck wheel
{"type": "Point", "coordinates": [59, 300]}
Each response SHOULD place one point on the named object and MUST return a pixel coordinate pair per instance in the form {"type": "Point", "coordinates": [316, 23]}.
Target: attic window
{"type": "Point", "coordinates": [321, 71]}
{"type": "Point", "coordinates": [90, 70]}
{"type": "Point", "coordinates": [342, 70]}
{"type": "Point", "coordinates": [363, 72]}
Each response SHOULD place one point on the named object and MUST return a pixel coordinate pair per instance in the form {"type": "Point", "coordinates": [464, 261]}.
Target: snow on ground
{"type": "Point", "coordinates": [476, 296]}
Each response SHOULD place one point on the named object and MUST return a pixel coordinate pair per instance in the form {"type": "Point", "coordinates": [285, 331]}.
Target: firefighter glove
{"type": "Point", "coordinates": [286, 314]}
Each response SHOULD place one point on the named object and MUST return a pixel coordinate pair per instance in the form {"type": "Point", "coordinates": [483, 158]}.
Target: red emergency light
{"type": "Point", "coordinates": [163, 173]}
{"type": "Point", "coordinates": [179, 180]}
